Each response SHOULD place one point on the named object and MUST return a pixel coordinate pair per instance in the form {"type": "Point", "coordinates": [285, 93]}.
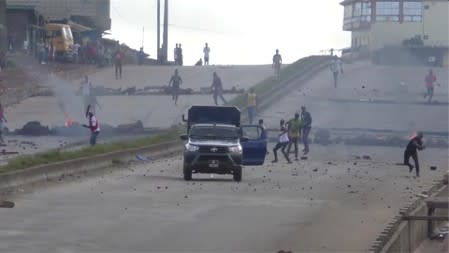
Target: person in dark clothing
{"type": "Point", "coordinates": [306, 120]}
{"type": "Point", "coordinates": [217, 89]}
{"type": "Point", "coordinates": [415, 144]}
{"type": "Point", "coordinates": [282, 143]}
{"type": "Point", "coordinates": [179, 56]}
{"type": "Point", "coordinates": [175, 82]}
{"type": "Point", "coordinates": [119, 55]}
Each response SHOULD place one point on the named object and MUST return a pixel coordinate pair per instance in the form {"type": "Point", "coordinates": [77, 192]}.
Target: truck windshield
{"type": "Point", "coordinates": [213, 133]}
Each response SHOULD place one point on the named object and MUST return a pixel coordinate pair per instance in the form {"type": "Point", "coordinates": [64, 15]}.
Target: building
{"type": "Point", "coordinates": [25, 18]}
{"type": "Point", "coordinates": [419, 24]}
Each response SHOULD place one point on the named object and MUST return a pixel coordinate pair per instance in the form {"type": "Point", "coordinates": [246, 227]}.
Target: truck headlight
{"type": "Point", "coordinates": [236, 149]}
{"type": "Point", "coordinates": [192, 148]}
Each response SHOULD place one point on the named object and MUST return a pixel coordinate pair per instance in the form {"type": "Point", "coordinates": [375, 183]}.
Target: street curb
{"type": "Point", "coordinates": [57, 170]}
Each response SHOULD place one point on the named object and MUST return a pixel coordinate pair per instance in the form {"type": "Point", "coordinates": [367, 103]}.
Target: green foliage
{"type": "Point", "coordinates": [27, 161]}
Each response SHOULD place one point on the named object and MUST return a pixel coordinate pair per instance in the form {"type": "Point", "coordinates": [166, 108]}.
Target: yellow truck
{"type": "Point", "coordinates": [60, 38]}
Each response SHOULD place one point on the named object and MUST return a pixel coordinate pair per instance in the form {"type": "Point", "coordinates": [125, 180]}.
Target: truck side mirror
{"type": "Point", "coordinates": [183, 118]}
{"type": "Point", "coordinates": [244, 139]}
{"type": "Point", "coordinates": [184, 137]}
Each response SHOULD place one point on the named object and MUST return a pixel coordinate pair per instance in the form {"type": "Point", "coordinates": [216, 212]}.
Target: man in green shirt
{"type": "Point", "coordinates": [294, 126]}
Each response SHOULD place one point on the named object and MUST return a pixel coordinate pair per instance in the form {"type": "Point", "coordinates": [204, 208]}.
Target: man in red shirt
{"type": "Point", "coordinates": [430, 79]}
{"type": "Point", "coordinates": [93, 126]}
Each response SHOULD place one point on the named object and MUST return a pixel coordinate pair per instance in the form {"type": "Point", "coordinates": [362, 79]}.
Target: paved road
{"type": "Point", "coordinates": [340, 207]}
{"type": "Point", "coordinates": [329, 203]}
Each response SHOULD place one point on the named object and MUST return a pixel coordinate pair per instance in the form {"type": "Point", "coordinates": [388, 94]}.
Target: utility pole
{"type": "Point", "coordinates": [165, 43]}
{"type": "Point", "coordinates": [3, 32]}
{"type": "Point", "coordinates": [158, 52]}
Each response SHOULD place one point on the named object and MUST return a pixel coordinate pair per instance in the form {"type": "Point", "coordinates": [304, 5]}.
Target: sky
{"type": "Point", "coordinates": [237, 31]}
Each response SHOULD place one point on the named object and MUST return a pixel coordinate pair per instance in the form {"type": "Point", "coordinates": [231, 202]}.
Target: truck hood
{"type": "Point", "coordinates": [221, 143]}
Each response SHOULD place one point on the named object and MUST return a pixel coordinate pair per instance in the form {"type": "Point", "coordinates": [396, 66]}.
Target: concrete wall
{"type": "Point", "coordinates": [436, 23]}
{"type": "Point", "coordinates": [392, 33]}
{"type": "Point", "coordinates": [410, 234]}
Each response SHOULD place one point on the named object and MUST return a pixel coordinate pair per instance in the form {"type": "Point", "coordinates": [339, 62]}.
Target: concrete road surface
{"type": "Point", "coordinates": [309, 206]}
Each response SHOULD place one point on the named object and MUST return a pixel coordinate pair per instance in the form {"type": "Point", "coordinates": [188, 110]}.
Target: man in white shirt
{"type": "Point", "coordinates": [206, 52]}
{"type": "Point", "coordinates": [282, 143]}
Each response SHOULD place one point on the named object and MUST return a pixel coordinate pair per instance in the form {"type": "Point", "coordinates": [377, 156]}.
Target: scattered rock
{"type": "Point", "coordinates": [186, 196]}
{"type": "Point", "coordinates": [349, 186]}
{"type": "Point", "coordinates": [366, 157]}
{"type": "Point", "coordinates": [315, 170]}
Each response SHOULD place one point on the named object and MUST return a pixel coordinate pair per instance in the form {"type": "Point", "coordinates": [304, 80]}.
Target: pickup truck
{"type": "Point", "coordinates": [217, 143]}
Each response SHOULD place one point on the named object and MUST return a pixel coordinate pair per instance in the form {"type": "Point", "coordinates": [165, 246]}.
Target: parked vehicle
{"type": "Point", "coordinates": [217, 143]}
{"type": "Point", "coordinates": [60, 39]}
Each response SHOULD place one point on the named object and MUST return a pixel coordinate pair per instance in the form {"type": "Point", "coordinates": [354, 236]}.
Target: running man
{"type": "Point", "coordinates": [217, 89]}
{"type": "Point", "coordinates": [293, 127]}
{"type": "Point", "coordinates": [415, 144]}
{"type": "Point", "coordinates": [430, 79]}
{"type": "Point", "coordinates": [277, 62]}
{"type": "Point", "coordinates": [206, 51]}
{"type": "Point", "coordinates": [282, 143]}
{"type": "Point", "coordinates": [175, 83]}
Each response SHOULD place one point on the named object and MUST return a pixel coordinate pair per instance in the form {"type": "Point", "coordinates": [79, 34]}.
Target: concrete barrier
{"type": "Point", "coordinates": [60, 169]}
{"type": "Point", "coordinates": [406, 236]}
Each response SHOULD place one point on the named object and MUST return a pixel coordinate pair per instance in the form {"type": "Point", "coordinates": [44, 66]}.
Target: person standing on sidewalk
{"type": "Point", "coordinates": [411, 150]}
{"type": "Point", "coordinates": [334, 69]}
{"type": "Point", "coordinates": [118, 56]}
{"type": "Point", "coordinates": [206, 51]}
{"type": "Point", "coordinates": [251, 105]}
{"type": "Point", "coordinates": [294, 132]}
{"type": "Point", "coordinates": [277, 62]}
{"type": "Point", "coordinates": [282, 143]}
{"type": "Point", "coordinates": [217, 89]}
{"type": "Point", "coordinates": [306, 120]}
{"type": "Point", "coordinates": [93, 126]}
{"type": "Point", "coordinates": [2, 121]}
{"type": "Point", "coordinates": [175, 83]}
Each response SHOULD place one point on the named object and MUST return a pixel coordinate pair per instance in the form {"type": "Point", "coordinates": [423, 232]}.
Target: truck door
{"type": "Point", "coordinates": [255, 149]}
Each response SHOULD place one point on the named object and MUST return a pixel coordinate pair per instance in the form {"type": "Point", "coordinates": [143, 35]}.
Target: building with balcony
{"type": "Point", "coordinates": [375, 24]}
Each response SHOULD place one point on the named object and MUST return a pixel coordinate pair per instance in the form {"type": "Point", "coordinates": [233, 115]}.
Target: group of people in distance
{"type": "Point", "coordinates": [291, 132]}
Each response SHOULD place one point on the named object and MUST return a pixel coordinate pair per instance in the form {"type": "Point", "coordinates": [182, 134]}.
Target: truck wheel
{"type": "Point", "coordinates": [237, 174]}
{"type": "Point", "coordinates": [187, 173]}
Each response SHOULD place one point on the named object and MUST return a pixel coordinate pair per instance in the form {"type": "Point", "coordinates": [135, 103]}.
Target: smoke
{"type": "Point", "coordinates": [69, 104]}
